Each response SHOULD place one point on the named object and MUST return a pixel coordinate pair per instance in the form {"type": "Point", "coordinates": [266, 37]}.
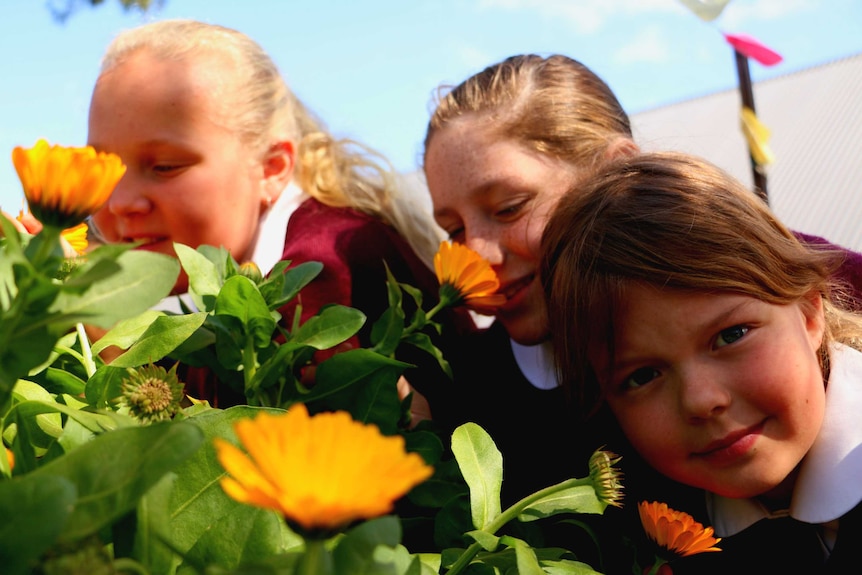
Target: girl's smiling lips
{"type": "Point", "coordinates": [511, 289]}
{"type": "Point", "coordinates": [732, 446]}
{"type": "Point", "coordinates": [143, 240]}
{"type": "Point", "coordinates": [149, 243]}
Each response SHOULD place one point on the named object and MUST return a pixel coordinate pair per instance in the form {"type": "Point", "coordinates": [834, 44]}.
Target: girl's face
{"type": "Point", "coordinates": [720, 391]}
{"type": "Point", "coordinates": [495, 196]}
{"type": "Point", "coordinates": [189, 178]}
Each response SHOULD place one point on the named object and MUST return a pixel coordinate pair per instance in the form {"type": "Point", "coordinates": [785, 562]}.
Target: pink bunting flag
{"type": "Point", "coordinates": [751, 48]}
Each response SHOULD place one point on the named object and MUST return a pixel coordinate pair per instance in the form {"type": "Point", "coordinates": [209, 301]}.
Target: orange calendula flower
{"type": "Point", "coordinates": [321, 472]}
{"type": "Point", "coordinates": [11, 457]}
{"type": "Point", "coordinates": [77, 238]}
{"type": "Point", "coordinates": [465, 277]}
{"type": "Point", "coordinates": [676, 531]}
{"type": "Point", "coordinates": [65, 185]}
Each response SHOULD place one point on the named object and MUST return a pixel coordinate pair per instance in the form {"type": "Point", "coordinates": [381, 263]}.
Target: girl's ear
{"type": "Point", "coordinates": [278, 165]}
{"type": "Point", "coordinates": [815, 320]}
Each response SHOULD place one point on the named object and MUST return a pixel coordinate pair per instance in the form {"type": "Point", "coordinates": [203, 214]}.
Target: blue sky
{"type": "Point", "coordinates": [370, 68]}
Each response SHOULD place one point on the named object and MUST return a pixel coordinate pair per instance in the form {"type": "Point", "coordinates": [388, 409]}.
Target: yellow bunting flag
{"type": "Point", "coordinates": [757, 135]}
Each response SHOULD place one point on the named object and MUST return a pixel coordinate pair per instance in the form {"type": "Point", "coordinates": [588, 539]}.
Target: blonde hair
{"type": "Point", "coordinates": [555, 106]}
{"type": "Point", "coordinates": [674, 221]}
{"type": "Point", "coordinates": [263, 111]}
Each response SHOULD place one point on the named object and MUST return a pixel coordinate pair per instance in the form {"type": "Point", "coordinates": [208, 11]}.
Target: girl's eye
{"type": "Point", "coordinates": [511, 210]}
{"type": "Point", "coordinates": [640, 377]}
{"type": "Point", "coordinates": [165, 168]}
{"type": "Point", "coordinates": [730, 335]}
{"type": "Point", "coordinates": [456, 234]}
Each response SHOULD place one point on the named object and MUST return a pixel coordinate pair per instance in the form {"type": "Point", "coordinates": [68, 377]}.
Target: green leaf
{"type": "Point", "coordinates": [331, 326]}
{"type": "Point", "coordinates": [143, 280]}
{"type": "Point", "coordinates": [387, 331]}
{"type": "Point", "coordinates": [126, 332]}
{"type": "Point", "coordinates": [282, 286]}
{"type": "Point", "coordinates": [361, 382]}
{"type": "Point", "coordinates": [162, 337]}
{"type": "Point", "coordinates": [423, 342]}
{"type": "Point", "coordinates": [482, 467]}
{"type": "Point", "coordinates": [92, 271]}
{"type": "Point", "coordinates": [240, 298]}
{"type": "Point", "coordinates": [245, 535]}
{"type": "Point", "coordinates": [113, 471]}
{"type": "Point", "coordinates": [151, 528]}
{"type": "Point", "coordinates": [527, 562]}
{"type": "Point", "coordinates": [199, 505]}
{"type": "Point", "coordinates": [36, 511]}
{"type": "Point", "coordinates": [488, 541]}
{"type": "Point", "coordinates": [105, 385]}
{"type": "Point", "coordinates": [205, 281]}
{"type": "Point", "coordinates": [354, 551]}
{"type": "Point", "coordinates": [577, 499]}
{"type": "Point", "coordinates": [567, 567]}
{"type": "Point", "coordinates": [61, 381]}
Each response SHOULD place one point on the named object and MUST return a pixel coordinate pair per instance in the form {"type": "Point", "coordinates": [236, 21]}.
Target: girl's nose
{"type": "Point", "coordinates": [128, 198]}
{"type": "Point", "coordinates": [489, 249]}
{"type": "Point", "coordinates": [703, 394]}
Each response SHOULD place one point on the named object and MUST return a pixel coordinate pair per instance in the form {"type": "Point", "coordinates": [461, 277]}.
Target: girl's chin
{"type": "Point", "coordinates": [527, 325]}
{"type": "Point", "coordinates": [524, 331]}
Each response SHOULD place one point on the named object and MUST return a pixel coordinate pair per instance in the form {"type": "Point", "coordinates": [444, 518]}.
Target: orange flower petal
{"type": "Point", "coordinates": [468, 274]}
{"type": "Point", "coordinates": [65, 185]}
{"type": "Point", "coordinates": [77, 238]}
{"type": "Point", "coordinates": [676, 531]}
{"type": "Point", "coordinates": [323, 471]}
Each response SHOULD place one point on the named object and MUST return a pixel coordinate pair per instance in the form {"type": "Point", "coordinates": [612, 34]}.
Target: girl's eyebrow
{"type": "Point", "coordinates": [622, 363]}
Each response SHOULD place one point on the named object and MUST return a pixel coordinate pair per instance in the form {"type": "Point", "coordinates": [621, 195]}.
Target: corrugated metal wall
{"type": "Point", "coordinates": [815, 116]}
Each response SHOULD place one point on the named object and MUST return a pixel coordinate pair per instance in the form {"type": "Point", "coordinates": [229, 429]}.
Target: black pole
{"type": "Point", "coordinates": [748, 101]}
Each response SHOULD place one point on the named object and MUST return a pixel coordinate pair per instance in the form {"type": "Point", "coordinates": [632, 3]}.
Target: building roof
{"type": "Point", "coordinates": [815, 119]}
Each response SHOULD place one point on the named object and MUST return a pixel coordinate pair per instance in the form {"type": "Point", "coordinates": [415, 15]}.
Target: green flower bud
{"type": "Point", "coordinates": [152, 394]}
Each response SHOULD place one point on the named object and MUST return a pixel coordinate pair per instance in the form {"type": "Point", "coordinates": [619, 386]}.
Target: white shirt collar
{"type": "Point", "coordinates": [828, 485]}
{"type": "Point", "coordinates": [536, 363]}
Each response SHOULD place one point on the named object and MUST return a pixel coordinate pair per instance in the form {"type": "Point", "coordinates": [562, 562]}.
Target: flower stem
{"type": "Point", "coordinates": [316, 560]}
{"type": "Point", "coordinates": [656, 565]}
{"type": "Point", "coordinates": [249, 361]}
{"type": "Point", "coordinates": [508, 515]}
{"type": "Point", "coordinates": [45, 242]}
{"type": "Point", "coordinates": [433, 311]}
{"type": "Point", "coordinates": [87, 352]}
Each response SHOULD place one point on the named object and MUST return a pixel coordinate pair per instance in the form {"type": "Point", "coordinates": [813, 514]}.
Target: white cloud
{"type": "Point", "coordinates": [587, 16]}
{"type": "Point", "coordinates": [590, 16]}
{"type": "Point", "coordinates": [741, 12]}
{"type": "Point", "coordinates": [649, 45]}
